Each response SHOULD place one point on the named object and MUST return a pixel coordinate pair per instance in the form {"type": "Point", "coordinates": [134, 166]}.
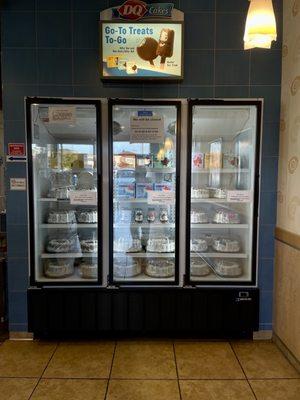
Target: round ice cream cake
{"type": "Point", "coordinates": [226, 245]}
{"type": "Point", "coordinates": [128, 245]}
{"type": "Point", "coordinates": [228, 268]}
{"type": "Point", "coordinates": [199, 217]}
{"type": "Point", "coordinates": [62, 217]}
{"type": "Point", "coordinates": [199, 193]}
{"type": "Point", "coordinates": [60, 268]}
{"type": "Point", "coordinates": [199, 268]}
{"type": "Point", "coordinates": [226, 217]}
{"type": "Point", "coordinates": [87, 217]}
{"type": "Point", "coordinates": [126, 267]}
{"type": "Point", "coordinates": [198, 245]}
{"type": "Point", "coordinates": [60, 193]}
{"type": "Point", "coordinates": [89, 245]}
{"type": "Point", "coordinates": [89, 270]}
{"type": "Point", "coordinates": [67, 245]}
{"type": "Point", "coordinates": [160, 268]}
{"type": "Point", "coordinates": [161, 244]}
{"type": "Point", "coordinates": [219, 193]}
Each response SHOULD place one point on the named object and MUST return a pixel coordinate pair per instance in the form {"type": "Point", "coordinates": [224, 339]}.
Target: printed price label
{"type": "Point", "coordinates": [83, 197]}
{"type": "Point", "coordinates": [239, 196]}
{"type": "Point", "coordinates": [161, 198]}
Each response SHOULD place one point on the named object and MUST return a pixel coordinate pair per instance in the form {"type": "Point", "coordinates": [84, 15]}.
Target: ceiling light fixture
{"type": "Point", "coordinates": [260, 28]}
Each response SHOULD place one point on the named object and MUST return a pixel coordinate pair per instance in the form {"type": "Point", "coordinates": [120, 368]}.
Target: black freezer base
{"type": "Point", "coordinates": [206, 313]}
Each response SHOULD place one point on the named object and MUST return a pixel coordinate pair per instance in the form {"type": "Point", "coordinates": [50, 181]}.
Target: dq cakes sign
{"type": "Point", "coordinates": [132, 48]}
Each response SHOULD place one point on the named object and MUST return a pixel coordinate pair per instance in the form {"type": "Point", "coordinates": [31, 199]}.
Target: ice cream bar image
{"type": "Point", "coordinates": [165, 45]}
{"type": "Point", "coordinates": [147, 49]}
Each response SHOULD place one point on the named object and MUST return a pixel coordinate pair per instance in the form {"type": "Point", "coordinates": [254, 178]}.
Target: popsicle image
{"type": "Point", "coordinates": [165, 45]}
{"type": "Point", "coordinates": [147, 49]}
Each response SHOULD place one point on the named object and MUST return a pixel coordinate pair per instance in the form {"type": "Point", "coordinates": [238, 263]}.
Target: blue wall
{"type": "Point", "coordinates": [50, 48]}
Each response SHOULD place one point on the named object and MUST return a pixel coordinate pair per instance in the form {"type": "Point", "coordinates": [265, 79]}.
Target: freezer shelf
{"type": "Point", "coordinates": [145, 255]}
{"type": "Point", "coordinates": [66, 226]}
{"type": "Point", "coordinates": [220, 171]}
{"type": "Point", "coordinates": [218, 255]}
{"type": "Point", "coordinates": [211, 200]}
{"type": "Point", "coordinates": [130, 201]}
{"type": "Point", "coordinates": [212, 277]}
{"type": "Point", "coordinates": [69, 255]}
{"type": "Point", "coordinates": [52, 200]}
{"type": "Point", "coordinates": [143, 277]}
{"type": "Point", "coordinates": [219, 226]}
{"type": "Point", "coordinates": [146, 226]}
{"type": "Point", "coordinates": [76, 277]}
{"type": "Point", "coordinates": [145, 170]}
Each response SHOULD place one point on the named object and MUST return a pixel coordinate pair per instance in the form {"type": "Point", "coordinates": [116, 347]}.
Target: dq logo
{"type": "Point", "coordinates": [133, 9]}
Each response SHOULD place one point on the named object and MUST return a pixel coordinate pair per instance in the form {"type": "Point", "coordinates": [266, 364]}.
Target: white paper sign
{"type": "Point", "coordinates": [239, 196]}
{"type": "Point", "coordinates": [62, 115]}
{"type": "Point", "coordinates": [83, 197]}
{"type": "Point", "coordinates": [161, 198]}
{"type": "Point", "coordinates": [18, 184]}
{"type": "Point", "coordinates": [147, 129]}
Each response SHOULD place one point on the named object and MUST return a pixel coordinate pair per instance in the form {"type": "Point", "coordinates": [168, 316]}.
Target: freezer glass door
{"type": "Point", "coordinates": [221, 243]}
{"type": "Point", "coordinates": [144, 167]}
{"type": "Point", "coordinates": [63, 153]}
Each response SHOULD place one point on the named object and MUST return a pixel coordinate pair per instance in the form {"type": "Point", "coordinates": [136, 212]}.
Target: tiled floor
{"type": "Point", "coordinates": [146, 370]}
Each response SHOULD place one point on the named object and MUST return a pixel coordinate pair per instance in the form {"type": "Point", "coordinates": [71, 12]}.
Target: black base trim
{"type": "Point", "coordinates": [148, 312]}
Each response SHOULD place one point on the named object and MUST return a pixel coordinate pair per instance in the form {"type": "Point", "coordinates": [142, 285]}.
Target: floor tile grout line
{"type": "Point", "coordinates": [46, 366]}
{"type": "Point", "coordinates": [144, 379]}
{"type": "Point", "coordinates": [110, 371]}
{"type": "Point", "coordinates": [177, 374]}
{"type": "Point", "coordinates": [151, 379]}
{"type": "Point", "coordinates": [274, 379]}
{"type": "Point", "coordinates": [232, 348]}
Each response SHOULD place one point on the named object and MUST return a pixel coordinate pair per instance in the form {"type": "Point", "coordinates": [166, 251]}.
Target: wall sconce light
{"type": "Point", "coordinates": [160, 155]}
{"type": "Point", "coordinates": [168, 144]}
{"type": "Point", "coordinates": [260, 28]}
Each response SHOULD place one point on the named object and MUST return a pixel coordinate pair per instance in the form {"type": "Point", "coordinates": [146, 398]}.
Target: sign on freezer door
{"type": "Point", "coordinates": [239, 196]}
{"type": "Point", "coordinates": [161, 197]}
{"type": "Point", "coordinates": [147, 129]}
{"type": "Point", "coordinates": [83, 197]}
{"type": "Point", "coordinates": [62, 115]}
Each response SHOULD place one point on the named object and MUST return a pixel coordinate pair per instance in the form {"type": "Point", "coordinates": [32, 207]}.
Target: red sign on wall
{"type": "Point", "coordinates": [133, 9]}
{"type": "Point", "coordinates": [16, 149]}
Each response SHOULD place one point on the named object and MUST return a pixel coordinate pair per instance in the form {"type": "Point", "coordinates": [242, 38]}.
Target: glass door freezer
{"type": "Point", "coordinates": [64, 171]}
{"type": "Point", "coordinates": [222, 192]}
{"type": "Point", "coordinates": [144, 196]}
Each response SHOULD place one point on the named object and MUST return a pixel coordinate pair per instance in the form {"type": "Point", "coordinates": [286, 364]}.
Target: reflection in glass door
{"type": "Point", "coordinates": [63, 157]}
{"type": "Point", "coordinates": [144, 193]}
{"type": "Point", "coordinates": [222, 201]}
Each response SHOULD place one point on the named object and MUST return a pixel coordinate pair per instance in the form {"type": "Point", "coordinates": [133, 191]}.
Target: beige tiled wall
{"type": "Point", "coordinates": [287, 268]}
{"type": "Point", "coordinates": [288, 215]}
{"type": "Point", "coordinates": [287, 297]}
